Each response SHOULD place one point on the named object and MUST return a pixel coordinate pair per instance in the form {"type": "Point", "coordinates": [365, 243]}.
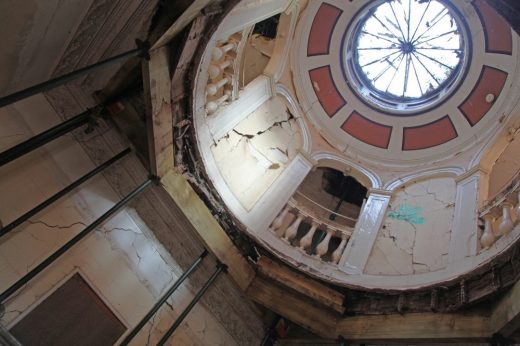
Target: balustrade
{"type": "Point", "coordinates": [336, 255]}
{"type": "Point", "coordinates": [488, 237]}
{"type": "Point", "coordinates": [501, 215]}
{"type": "Point", "coordinates": [222, 74]}
{"type": "Point", "coordinates": [323, 246]}
{"type": "Point", "coordinates": [306, 241]}
{"type": "Point", "coordinates": [307, 231]}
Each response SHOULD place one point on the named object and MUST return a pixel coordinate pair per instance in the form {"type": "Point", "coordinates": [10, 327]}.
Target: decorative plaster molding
{"type": "Point", "coordinates": [439, 172]}
{"type": "Point", "coordinates": [249, 99]}
{"type": "Point", "coordinates": [297, 112]}
{"type": "Point", "coordinates": [375, 180]}
{"type": "Point", "coordinates": [284, 41]}
{"type": "Point", "coordinates": [365, 233]}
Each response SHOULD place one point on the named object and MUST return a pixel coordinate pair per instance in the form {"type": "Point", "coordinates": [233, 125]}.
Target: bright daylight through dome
{"type": "Point", "coordinates": [409, 49]}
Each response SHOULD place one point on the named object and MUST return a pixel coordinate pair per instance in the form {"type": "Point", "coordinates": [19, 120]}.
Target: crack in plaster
{"type": "Point", "coordinates": [55, 226]}
{"type": "Point", "coordinates": [150, 330]}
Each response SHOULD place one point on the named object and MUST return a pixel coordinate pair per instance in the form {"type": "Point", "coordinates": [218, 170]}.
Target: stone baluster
{"type": "Point", "coordinates": [215, 70]}
{"type": "Point", "coordinates": [213, 88]}
{"type": "Point", "coordinates": [212, 106]}
{"type": "Point", "coordinates": [306, 241]}
{"type": "Point", "coordinates": [488, 237]}
{"type": "Point", "coordinates": [292, 230]}
{"type": "Point", "coordinates": [336, 255]}
{"type": "Point", "coordinates": [278, 222]}
{"type": "Point", "coordinates": [506, 225]}
{"type": "Point", "coordinates": [218, 52]}
{"type": "Point", "coordinates": [323, 246]}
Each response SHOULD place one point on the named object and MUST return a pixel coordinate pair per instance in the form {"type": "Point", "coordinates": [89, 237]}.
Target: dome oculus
{"type": "Point", "coordinates": [406, 55]}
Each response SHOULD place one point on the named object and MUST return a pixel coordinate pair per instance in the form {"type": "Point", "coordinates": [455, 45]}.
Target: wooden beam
{"type": "Point", "coordinates": [190, 14]}
{"type": "Point", "coordinates": [382, 328]}
{"type": "Point", "coordinates": [159, 117]}
{"type": "Point", "coordinates": [319, 292]}
{"type": "Point", "coordinates": [164, 89]}
{"type": "Point", "coordinates": [186, 58]}
{"type": "Point", "coordinates": [297, 309]}
{"type": "Point", "coordinates": [415, 327]}
{"type": "Point", "coordinates": [305, 312]}
{"type": "Point", "coordinates": [208, 229]}
{"type": "Point", "coordinates": [506, 313]}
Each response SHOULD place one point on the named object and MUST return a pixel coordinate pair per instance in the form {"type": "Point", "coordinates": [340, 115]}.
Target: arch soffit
{"type": "Point", "coordinates": [452, 172]}
{"type": "Point", "coordinates": [363, 175]}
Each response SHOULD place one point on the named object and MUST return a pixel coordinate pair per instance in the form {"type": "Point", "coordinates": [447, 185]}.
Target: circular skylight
{"type": "Point", "coordinates": [406, 54]}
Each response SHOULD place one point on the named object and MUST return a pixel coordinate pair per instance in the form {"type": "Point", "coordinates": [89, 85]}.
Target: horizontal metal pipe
{"type": "Point", "coordinates": [163, 299]}
{"type": "Point", "coordinates": [220, 268]}
{"type": "Point", "coordinates": [44, 138]}
{"type": "Point", "coordinates": [38, 88]}
{"type": "Point", "coordinates": [40, 267]}
{"type": "Point", "coordinates": [5, 230]}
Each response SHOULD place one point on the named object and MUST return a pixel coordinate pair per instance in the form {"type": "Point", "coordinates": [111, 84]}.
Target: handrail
{"type": "Point", "coordinates": [328, 210]}
{"type": "Point", "coordinates": [347, 230]}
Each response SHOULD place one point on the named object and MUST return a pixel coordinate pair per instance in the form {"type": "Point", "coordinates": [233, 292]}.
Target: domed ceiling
{"type": "Point", "coordinates": [403, 82]}
{"type": "Point", "coordinates": [404, 96]}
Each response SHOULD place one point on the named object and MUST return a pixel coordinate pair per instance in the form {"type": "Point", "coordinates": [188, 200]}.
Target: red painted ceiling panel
{"type": "Point", "coordinates": [367, 131]}
{"type": "Point", "coordinates": [326, 91]}
{"type": "Point", "coordinates": [322, 28]}
{"type": "Point", "coordinates": [499, 38]}
{"type": "Point", "coordinates": [491, 81]}
{"type": "Point", "coordinates": [429, 135]}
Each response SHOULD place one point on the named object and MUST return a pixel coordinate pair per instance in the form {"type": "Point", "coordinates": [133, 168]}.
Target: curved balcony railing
{"type": "Point", "coordinates": [302, 227]}
{"type": "Point", "coordinates": [501, 214]}
{"type": "Point", "coordinates": [322, 212]}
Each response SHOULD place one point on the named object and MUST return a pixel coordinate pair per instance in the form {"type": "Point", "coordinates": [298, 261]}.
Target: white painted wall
{"type": "Point", "coordinates": [415, 235]}
{"type": "Point", "coordinates": [254, 154]}
{"type": "Point", "coordinates": [122, 261]}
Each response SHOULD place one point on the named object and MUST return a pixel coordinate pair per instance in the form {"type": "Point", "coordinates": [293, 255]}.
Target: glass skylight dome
{"type": "Point", "coordinates": [404, 56]}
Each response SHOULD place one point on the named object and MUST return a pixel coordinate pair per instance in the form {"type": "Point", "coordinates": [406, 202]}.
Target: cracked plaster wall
{"type": "Point", "coordinates": [257, 150]}
{"type": "Point", "coordinates": [416, 232]}
{"type": "Point", "coordinates": [121, 260]}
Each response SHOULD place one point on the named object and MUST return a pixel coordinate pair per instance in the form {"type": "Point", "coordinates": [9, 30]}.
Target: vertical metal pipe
{"type": "Point", "coordinates": [163, 299]}
{"type": "Point", "coordinates": [44, 138]}
{"type": "Point", "coordinates": [5, 230]}
{"type": "Point", "coordinates": [40, 267]}
{"type": "Point", "coordinates": [220, 268]}
{"type": "Point", "coordinates": [7, 338]}
{"type": "Point", "coordinates": [141, 50]}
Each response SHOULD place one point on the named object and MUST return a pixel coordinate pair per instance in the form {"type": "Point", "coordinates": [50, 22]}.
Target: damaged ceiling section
{"type": "Point", "coordinates": [283, 188]}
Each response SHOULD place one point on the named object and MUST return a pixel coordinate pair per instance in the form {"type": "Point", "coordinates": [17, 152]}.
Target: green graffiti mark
{"type": "Point", "coordinates": [408, 213]}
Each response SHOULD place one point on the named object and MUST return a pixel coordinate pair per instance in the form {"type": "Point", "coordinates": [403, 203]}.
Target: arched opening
{"type": "Point", "coordinates": [332, 195]}
{"type": "Point", "coordinates": [259, 49]}
{"type": "Point", "coordinates": [322, 213]}
{"type": "Point", "coordinates": [504, 170]}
